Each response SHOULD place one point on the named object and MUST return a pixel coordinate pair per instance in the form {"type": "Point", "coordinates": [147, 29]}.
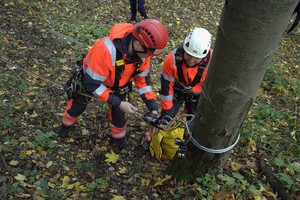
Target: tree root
{"type": "Point", "coordinates": [274, 183]}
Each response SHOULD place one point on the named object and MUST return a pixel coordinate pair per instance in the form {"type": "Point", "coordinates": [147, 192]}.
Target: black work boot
{"type": "Point", "coordinates": [63, 130]}
{"type": "Point", "coordinates": [131, 20]}
{"type": "Point", "coordinates": [122, 144]}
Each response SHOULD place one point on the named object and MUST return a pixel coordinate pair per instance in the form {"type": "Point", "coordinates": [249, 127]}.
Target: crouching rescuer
{"type": "Point", "coordinates": [110, 67]}
{"type": "Point", "coordinates": [182, 75]}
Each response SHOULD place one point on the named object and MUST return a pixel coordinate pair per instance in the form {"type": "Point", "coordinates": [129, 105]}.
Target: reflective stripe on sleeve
{"type": "Point", "coordinates": [174, 59]}
{"type": "Point", "coordinates": [145, 89]}
{"type": "Point", "coordinates": [94, 75]}
{"type": "Point", "coordinates": [145, 73]}
{"type": "Point", "coordinates": [100, 90]}
{"type": "Point", "coordinates": [112, 50]}
{"type": "Point", "coordinates": [168, 78]}
{"type": "Point", "coordinates": [166, 98]}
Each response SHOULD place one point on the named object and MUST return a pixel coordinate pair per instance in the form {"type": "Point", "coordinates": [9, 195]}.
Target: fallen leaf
{"type": "Point", "coordinates": [293, 134]}
{"type": "Point", "coordinates": [102, 148]}
{"type": "Point", "coordinates": [29, 152]}
{"type": "Point", "coordinates": [23, 138]}
{"type": "Point", "coordinates": [116, 197]}
{"type": "Point", "coordinates": [39, 197]}
{"type": "Point", "coordinates": [20, 177]}
{"type": "Point", "coordinates": [65, 181]}
{"type": "Point", "coordinates": [34, 115]}
{"type": "Point", "coordinates": [236, 166]}
{"type": "Point", "coordinates": [111, 157]}
{"type": "Point", "coordinates": [85, 132]}
{"type": "Point", "coordinates": [52, 185]}
{"type": "Point", "coordinates": [224, 196]}
{"type": "Point", "coordinates": [122, 170]}
{"type": "Point", "coordinates": [70, 140]}
{"type": "Point", "coordinates": [13, 162]}
{"type": "Point", "coordinates": [49, 164]}
{"type": "Point", "coordinates": [74, 185]}
{"type": "Point", "coordinates": [145, 182]}
{"type": "Point", "coordinates": [66, 168]}
{"type": "Point", "coordinates": [79, 188]}
{"type": "Point", "coordinates": [160, 181]}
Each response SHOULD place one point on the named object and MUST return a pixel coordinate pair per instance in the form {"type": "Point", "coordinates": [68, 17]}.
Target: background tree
{"type": "Point", "coordinates": [248, 34]}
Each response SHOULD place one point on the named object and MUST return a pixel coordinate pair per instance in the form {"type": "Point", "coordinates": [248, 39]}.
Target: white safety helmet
{"type": "Point", "coordinates": [197, 43]}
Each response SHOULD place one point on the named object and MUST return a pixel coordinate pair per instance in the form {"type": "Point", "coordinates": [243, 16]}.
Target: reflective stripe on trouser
{"type": "Point", "coordinates": [117, 133]}
{"type": "Point", "coordinates": [74, 109]}
{"type": "Point", "coordinates": [117, 120]}
{"type": "Point", "coordinates": [148, 135]}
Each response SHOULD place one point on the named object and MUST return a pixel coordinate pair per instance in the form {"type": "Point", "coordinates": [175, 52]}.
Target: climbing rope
{"type": "Point", "coordinates": [58, 85]}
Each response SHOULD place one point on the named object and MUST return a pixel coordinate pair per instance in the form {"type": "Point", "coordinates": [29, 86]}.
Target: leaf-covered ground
{"type": "Point", "coordinates": [40, 42]}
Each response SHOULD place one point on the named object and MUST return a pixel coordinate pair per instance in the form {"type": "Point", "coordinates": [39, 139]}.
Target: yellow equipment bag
{"type": "Point", "coordinates": [162, 144]}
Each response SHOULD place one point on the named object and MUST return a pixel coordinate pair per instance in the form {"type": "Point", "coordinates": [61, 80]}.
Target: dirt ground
{"type": "Point", "coordinates": [37, 57]}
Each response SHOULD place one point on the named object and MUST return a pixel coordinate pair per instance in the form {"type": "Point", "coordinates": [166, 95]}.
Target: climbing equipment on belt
{"type": "Point", "coordinates": [75, 82]}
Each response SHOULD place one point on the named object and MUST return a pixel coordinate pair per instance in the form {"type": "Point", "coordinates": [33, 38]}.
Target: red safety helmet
{"type": "Point", "coordinates": [152, 34]}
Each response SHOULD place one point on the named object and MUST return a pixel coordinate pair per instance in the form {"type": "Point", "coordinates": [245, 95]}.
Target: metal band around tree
{"type": "Point", "coordinates": [209, 150]}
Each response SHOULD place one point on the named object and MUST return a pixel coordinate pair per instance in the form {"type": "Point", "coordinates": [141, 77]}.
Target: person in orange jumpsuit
{"type": "Point", "coordinates": [110, 67]}
{"type": "Point", "coordinates": [184, 71]}
{"type": "Point", "coordinates": [182, 75]}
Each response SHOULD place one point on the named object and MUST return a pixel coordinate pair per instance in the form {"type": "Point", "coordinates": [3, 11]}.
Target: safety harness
{"type": "Point", "coordinates": [119, 70]}
{"type": "Point", "coordinates": [178, 62]}
{"type": "Point", "coordinates": [75, 83]}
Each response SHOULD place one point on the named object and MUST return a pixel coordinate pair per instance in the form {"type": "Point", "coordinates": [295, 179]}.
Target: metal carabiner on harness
{"type": "Point", "coordinates": [123, 90]}
{"type": "Point", "coordinates": [182, 143]}
{"type": "Point", "coordinates": [187, 89]}
{"type": "Point", "coordinates": [182, 147]}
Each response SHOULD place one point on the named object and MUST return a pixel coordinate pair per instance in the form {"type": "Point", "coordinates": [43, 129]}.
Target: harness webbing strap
{"type": "Point", "coordinates": [138, 69]}
{"type": "Point", "coordinates": [120, 68]}
{"type": "Point", "coordinates": [178, 63]}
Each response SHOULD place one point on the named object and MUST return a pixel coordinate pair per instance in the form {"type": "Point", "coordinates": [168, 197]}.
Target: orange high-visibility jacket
{"type": "Point", "coordinates": [169, 75]}
{"type": "Point", "coordinates": [100, 65]}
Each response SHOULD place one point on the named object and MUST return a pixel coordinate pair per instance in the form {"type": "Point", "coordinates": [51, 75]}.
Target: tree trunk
{"type": "Point", "coordinates": [248, 34]}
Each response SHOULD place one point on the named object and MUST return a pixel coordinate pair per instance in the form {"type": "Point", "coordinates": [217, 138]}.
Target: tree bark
{"type": "Point", "coordinates": [248, 34]}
